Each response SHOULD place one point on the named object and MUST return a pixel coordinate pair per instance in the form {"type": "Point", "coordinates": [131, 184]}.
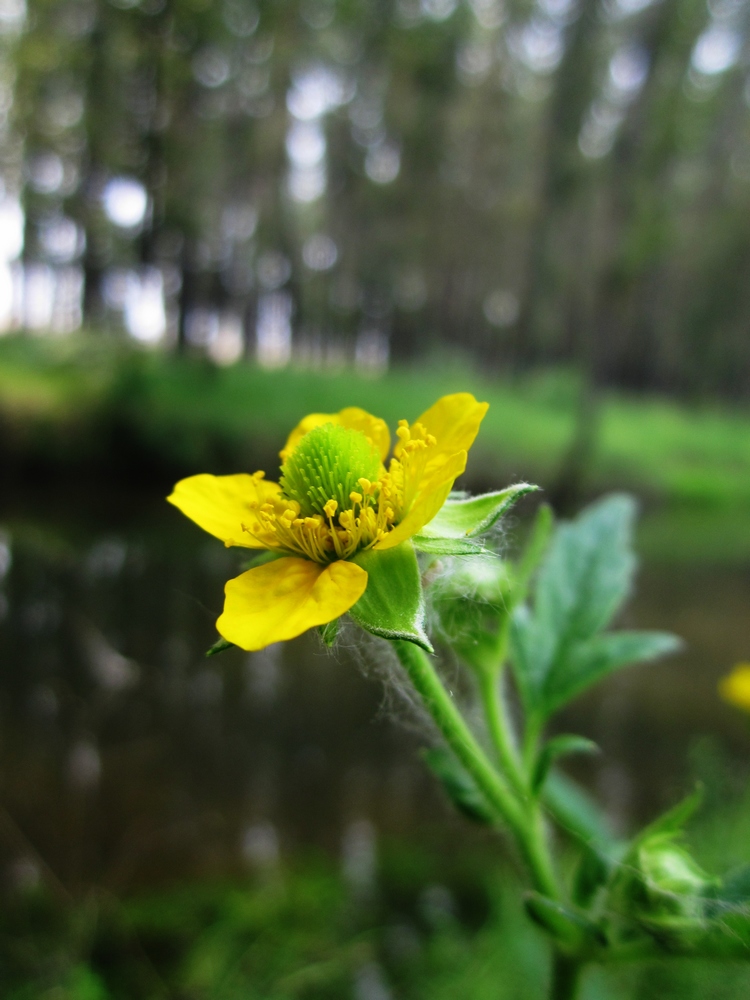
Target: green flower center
{"type": "Point", "coordinates": [326, 465]}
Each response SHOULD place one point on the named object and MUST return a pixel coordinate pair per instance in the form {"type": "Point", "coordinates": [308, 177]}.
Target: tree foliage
{"type": "Point", "coordinates": [565, 179]}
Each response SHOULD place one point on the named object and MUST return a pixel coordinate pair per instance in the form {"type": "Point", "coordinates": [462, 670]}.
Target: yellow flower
{"type": "Point", "coordinates": [336, 502]}
{"type": "Point", "coordinates": [735, 687]}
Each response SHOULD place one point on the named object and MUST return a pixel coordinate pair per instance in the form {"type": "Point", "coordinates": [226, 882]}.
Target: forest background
{"type": "Point", "coordinates": [218, 215]}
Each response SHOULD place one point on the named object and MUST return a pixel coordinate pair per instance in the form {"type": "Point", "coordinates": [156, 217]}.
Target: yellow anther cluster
{"type": "Point", "coordinates": [376, 508]}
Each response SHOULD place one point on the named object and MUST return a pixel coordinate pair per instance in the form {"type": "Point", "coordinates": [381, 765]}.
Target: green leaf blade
{"type": "Point", "coordinates": [588, 570]}
{"type": "Point", "coordinates": [576, 812]}
{"type": "Point", "coordinates": [459, 786]}
{"type": "Point", "coordinates": [588, 662]}
{"type": "Point", "coordinates": [558, 650]}
{"type": "Point", "coordinates": [559, 746]}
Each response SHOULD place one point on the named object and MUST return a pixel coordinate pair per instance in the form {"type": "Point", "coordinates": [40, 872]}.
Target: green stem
{"type": "Point", "coordinates": [499, 730]}
{"type": "Point", "coordinates": [531, 743]}
{"type": "Point", "coordinates": [566, 976]}
{"type": "Point", "coordinates": [526, 828]}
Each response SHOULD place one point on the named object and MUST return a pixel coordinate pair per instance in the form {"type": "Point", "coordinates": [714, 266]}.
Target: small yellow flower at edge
{"type": "Point", "coordinates": [735, 687]}
{"type": "Point", "coordinates": [336, 498]}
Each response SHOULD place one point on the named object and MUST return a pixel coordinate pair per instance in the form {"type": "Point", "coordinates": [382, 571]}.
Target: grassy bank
{"type": "Point", "coordinates": [91, 404]}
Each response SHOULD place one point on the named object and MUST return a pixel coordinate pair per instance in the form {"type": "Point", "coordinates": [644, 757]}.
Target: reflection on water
{"type": "Point", "coordinates": [128, 757]}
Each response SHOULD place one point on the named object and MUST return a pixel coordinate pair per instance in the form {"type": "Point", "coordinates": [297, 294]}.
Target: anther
{"type": "Point", "coordinates": [330, 508]}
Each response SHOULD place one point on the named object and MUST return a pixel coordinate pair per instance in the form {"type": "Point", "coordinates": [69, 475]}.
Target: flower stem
{"type": "Point", "coordinates": [566, 975]}
{"type": "Point", "coordinates": [525, 825]}
{"type": "Point", "coordinates": [497, 723]}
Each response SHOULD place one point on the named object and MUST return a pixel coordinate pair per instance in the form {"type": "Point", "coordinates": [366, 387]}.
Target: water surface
{"type": "Point", "coordinates": [127, 758]}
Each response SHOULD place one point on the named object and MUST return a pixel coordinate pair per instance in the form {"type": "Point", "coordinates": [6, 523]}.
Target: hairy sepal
{"type": "Point", "coordinates": [392, 607]}
{"type": "Point", "coordinates": [449, 546]}
{"type": "Point", "coordinates": [473, 516]}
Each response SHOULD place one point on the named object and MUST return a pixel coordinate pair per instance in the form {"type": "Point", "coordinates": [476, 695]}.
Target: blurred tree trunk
{"type": "Point", "coordinates": [563, 176]}
{"type": "Point", "coordinates": [639, 185]}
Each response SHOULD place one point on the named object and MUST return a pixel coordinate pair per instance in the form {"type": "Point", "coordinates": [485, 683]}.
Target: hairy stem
{"type": "Point", "coordinates": [525, 826]}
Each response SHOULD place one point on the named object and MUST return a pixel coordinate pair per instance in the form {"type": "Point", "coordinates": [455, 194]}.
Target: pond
{"type": "Point", "coordinates": [127, 758]}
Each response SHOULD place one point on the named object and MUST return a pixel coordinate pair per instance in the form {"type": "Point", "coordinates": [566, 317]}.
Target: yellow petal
{"type": "Point", "coordinates": [352, 417]}
{"type": "Point", "coordinates": [221, 504]}
{"type": "Point", "coordinates": [432, 494]}
{"type": "Point", "coordinates": [735, 688]}
{"type": "Point", "coordinates": [286, 597]}
{"type": "Point", "coordinates": [454, 421]}
{"type": "Point", "coordinates": [372, 427]}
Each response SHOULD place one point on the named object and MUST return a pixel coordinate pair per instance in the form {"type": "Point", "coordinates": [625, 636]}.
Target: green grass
{"type": "Point", "coordinates": [80, 401]}
{"type": "Point", "coordinates": [434, 926]}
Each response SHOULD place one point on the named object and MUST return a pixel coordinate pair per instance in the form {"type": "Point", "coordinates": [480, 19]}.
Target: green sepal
{"type": "Point", "coordinates": [670, 823]}
{"type": "Point", "coordinates": [392, 606]}
{"type": "Point", "coordinates": [458, 785]}
{"type": "Point", "coordinates": [329, 632]}
{"type": "Point", "coordinates": [219, 646]}
{"type": "Point", "coordinates": [558, 746]}
{"type": "Point", "coordinates": [561, 922]}
{"type": "Point", "coordinates": [449, 546]}
{"type": "Point", "coordinates": [469, 517]}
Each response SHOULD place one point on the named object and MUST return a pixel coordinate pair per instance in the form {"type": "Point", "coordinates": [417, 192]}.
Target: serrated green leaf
{"type": "Point", "coordinates": [458, 785]}
{"type": "Point", "coordinates": [588, 570]}
{"type": "Point", "coordinates": [219, 647]}
{"type": "Point", "coordinates": [531, 656]}
{"type": "Point", "coordinates": [559, 746]}
{"type": "Point", "coordinates": [585, 663]}
{"type": "Point", "coordinates": [583, 579]}
{"type": "Point", "coordinates": [575, 811]}
{"type": "Point", "coordinates": [449, 546]}
{"type": "Point", "coordinates": [392, 606]}
{"type": "Point", "coordinates": [556, 651]}
{"type": "Point", "coordinates": [534, 551]}
{"type": "Point", "coordinates": [472, 516]}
